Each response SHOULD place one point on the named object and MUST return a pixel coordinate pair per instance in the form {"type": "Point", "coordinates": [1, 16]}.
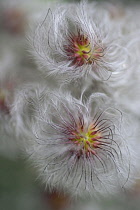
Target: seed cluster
{"type": "Point", "coordinates": [87, 138]}
{"type": "Point", "coordinates": [81, 52]}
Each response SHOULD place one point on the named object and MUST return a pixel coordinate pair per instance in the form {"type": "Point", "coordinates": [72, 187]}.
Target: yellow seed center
{"type": "Point", "coordinates": [89, 139]}
{"type": "Point", "coordinates": [84, 51]}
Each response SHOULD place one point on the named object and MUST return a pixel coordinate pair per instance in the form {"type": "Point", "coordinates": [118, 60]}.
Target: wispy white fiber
{"type": "Point", "coordinates": [52, 42]}
{"type": "Point", "coordinates": [55, 126]}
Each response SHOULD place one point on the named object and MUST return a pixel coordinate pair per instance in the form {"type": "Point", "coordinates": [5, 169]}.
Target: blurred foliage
{"type": "Point", "coordinates": [18, 189]}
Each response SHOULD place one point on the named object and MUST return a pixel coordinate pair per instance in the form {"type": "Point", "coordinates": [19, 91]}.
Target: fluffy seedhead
{"type": "Point", "coordinates": [75, 41]}
{"type": "Point", "coordinates": [77, 146]}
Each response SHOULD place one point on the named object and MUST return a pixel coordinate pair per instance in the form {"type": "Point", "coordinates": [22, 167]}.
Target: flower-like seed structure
{"type": "Point", "coordinates": [76, 145]}
{"type": "Point", "coordinates": [72, 41]}
{"type": "Point", "coordinates": [80, 51]}
{"type": "Point", "coordinates": [87, 138]}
